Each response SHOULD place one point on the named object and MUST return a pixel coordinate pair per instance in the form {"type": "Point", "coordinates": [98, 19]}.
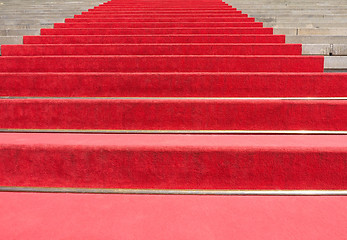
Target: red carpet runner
{"type": "Point", "coordinates": [166, 68]}
{"type": "Point", "coordinates": [129, 217]}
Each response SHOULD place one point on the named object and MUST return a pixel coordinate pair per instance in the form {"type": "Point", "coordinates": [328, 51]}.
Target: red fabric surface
{"type": "Point", "coordinates": [122, 12]}
{"type": "Point", "coordinates": [158, 15]}
{"type": "Point", "coordinates": [150, 49]}
{"type": "Point", "coordinates": [169, 161]}
{"type": "Point", "coordinates": [156, 24]}
{"type": "Point", "coordinates": [174, 84]}
{"type": "Point", "coordinates": [173, 161]}
{"type": "Point", "coordinates": [174, 114]}
{"type": "Point", "coordinates": [79, 216]}
{"type": "Point", "coordinates": [162, 63]}
{"type": "Point", "coordinates": [168, 7]}
{"type": "Point", "coordinates": [179, 38]}
{"type": "Point", "coordinates": [146, 31]}
{"type": "Point", "coordinates": [164, 19]}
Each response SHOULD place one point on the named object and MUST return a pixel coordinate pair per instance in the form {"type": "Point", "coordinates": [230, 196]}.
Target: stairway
{"type": "Point", "coordinates": [319, 25]}
{"type": "Point", "coordinates": [158, 100]}
{"type": "Point", "coordinates": [27, 17]}
{"type": "Point", "coordinates": [169, 95]}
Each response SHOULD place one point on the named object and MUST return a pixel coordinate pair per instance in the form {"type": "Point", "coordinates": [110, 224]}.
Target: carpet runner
{"type": "Point", "coordinates": [191, 95]}
{"type": "Point", "coordinates": [128, 217]}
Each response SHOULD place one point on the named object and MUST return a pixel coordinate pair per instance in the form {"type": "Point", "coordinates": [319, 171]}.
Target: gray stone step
{"type": "Point", "coordinates": [19, 32]}
{"type": "Point", "coordinates": [311, 31]}
{"type": "Point", "coordinates": [304, 25]}
{"type": "Point", "coordinates": [33, 16]}
{"type": "Point", "coordinates": [279, 12]}
{"type": "Point", "coordinates": [301, 16]}
{"type": "Point", "coordinates": [31, 21]}
{"type": "Point", "coordinates": [302, 20]}
{"type": "Point", "coordinates": [288, 2]}
{"type": "Point", "coordinates": [261, 6]}
{"type": "Point", "coordinates": [334, 64]}
{"type": "Point", "coordinates": [25, 26]}
{"type": "Point", "coordinates": [325, 49]}
{"type": "Point", "coordinates": [317, 39]}
{"type": "Point", "coordinates": [11, 40]}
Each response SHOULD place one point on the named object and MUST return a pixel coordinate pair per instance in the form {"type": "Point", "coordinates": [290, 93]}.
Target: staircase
{"type": "Point", "coordinates": [319, 25]}
{"type": "Point", "coordinates": [129, 68]}
{"type": "Point", "coordinates": [27, 17]}
{"type": "Point", "coordinates": [169, 97]}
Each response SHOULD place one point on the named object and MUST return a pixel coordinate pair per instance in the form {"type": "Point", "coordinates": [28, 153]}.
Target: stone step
{"type": "Point", "coordinates": [31, 21]}
{"type": "Point", "coordinates": [291, 11]}
{"type": "Point", "coordinates": [19, 32]}
{"type": "Point", "coordinates": [286, 2]}
{"type": "Point", "coordinates": [300, 16]}
{"type": "Point", "coordinates": [34, 16]}
{"type": "Point", "coordinates": [317, 39]}
{"type": "Point", "coordinates": [311, 31]}
{"type": "Point", "coordinates": [11, 40]}
{"type": "Point", "coordinates": [325, 49]}
{"type": "Point", "coordinates": [335, 64]}
{"type": "Point", "coordinates": [282, 6]}
{"type": "Point", "coordinates": [302, 20]}
{"type": "Point", "coordinates": [25, 26]}
{"type": "Point", "coordinates": [304, 25]}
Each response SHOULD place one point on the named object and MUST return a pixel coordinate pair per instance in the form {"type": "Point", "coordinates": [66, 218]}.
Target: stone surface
{"type": "Point", "coordinates": [320, 25]}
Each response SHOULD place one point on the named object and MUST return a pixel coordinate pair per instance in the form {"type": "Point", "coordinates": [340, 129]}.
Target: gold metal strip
{"type": "Point", "coordinates": [177, 191]}
{"type": "Point", "coordinates": [120, 131]}
{"type": "Point", "coordinates": [180, 98]}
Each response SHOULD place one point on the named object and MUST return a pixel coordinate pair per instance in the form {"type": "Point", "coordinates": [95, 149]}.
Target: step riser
{"type": "Point", "coordinates": [173, 85]}
{"type": "Point", "coordinates": [174, 114]}
{"type": "Point", "coordinates": [153, 39]}
{"type": "Point", "coordinates": [183, 12]}
{"type": "Point", "coordinates": [153, 49]}
{"type": "Point", "coordinates": [161, 8]}
{"type": "Point", "coordinates": [166, 4]}
{"type": "Point", "coordinates": [186, 19]}
{"type": "Point", "coordinates": [154, 11]}
{"type": "Point", "coordinates": [195, 15]}
{"type": "Point", "coordinates": [138, 31]}
{"type": "Point", "coordinates": [142, 167]}
{"type": "Point", "coordinates": [156, 25]}
{"type": "Point", "coordinates": [162, 64]}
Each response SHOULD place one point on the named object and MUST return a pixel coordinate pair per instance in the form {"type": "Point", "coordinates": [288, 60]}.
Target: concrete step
{"type": "Point", "coordinates": [325, 49]}
{"type": "Point", "coordinates": [19, 32]}
{"type": "Point", "coordinates": [302, 19]}
{"type": "Point", "coordinates": [301, 16]}
{"type": "Point", "coordinates": [30, 21]}
{"type": "Point", "coordinates": [304, 25]}
{"type": "Point", "coordinates": [317, 39]}
{"type": "Point", "coordinates": [11, 40]}
{"type": "Point", "coordinates": [335, 64]}
{"type": "Point", "coordinates": [25, 26]}
{"type": "Point", "coordinates": [286, 2]}
{"type": "Point", "coordinates": [262, 6]}
{"type": "Point", "coordinates": [306, 12]}
{"type": "Point", "coordinates": [311, 31]}
{"type": "Point", "coordinates": [36, 16]}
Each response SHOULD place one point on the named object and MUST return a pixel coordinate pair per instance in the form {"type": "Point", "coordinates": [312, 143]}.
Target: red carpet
{"type": "Point", "coordinates": [161, 63]}
{"type": "Point", "coordinates": [168, 38]}
{"type": "Point", "coordinates": [137, 65]}
{"type": "Point", "coordinates": [174, 84]}
{"type": "Point", "coordinates": [150, 49]}
{"type": "Point", "coordinates": [173, 161]}
{"type": "Point", "coordinates": [174, 114]}
{"type": "Point", "coordinates": [78, 216]}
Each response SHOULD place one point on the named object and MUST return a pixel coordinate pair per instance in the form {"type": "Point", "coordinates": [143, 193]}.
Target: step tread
{"type": "Point", "coordinates": [79, 216]}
